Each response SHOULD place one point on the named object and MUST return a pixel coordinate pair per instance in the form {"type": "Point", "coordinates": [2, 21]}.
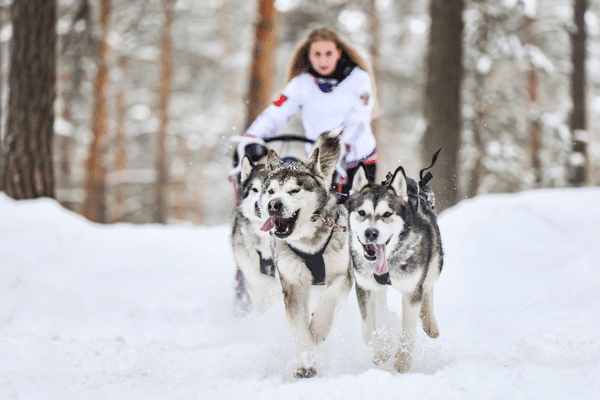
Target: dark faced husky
{"type": "Point", "coordinates": [311, 242]}
{"type": "Point", "coordinates": [394, 240]}
{"type": "Point", "coordinates": [252, 246]}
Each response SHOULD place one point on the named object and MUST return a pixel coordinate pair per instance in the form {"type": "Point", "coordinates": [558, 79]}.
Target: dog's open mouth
{"type": "Point", "coordinates": [371, 251]}
{"type": "Point", "coordinates": [283, 226]}
{"type": "Point", "coordinates": [376, 252]}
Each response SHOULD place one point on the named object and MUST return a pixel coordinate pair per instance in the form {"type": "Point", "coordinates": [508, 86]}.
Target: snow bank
{"type": "Point", "coordinates": [144, 312]}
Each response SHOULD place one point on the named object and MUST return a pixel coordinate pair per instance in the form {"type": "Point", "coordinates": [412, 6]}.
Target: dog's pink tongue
{"type": "Point", "coordinates": [268, 225]}
{"type": "Point", "coordinates": [382, 267]}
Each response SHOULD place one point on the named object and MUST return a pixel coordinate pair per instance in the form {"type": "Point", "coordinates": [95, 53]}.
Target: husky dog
{"type": "Point", "coordinates": [257, 284]}
{"type": "Point", "coordinates": [311, 242]}
{"type": "Point", "coordinates": [394, 240]}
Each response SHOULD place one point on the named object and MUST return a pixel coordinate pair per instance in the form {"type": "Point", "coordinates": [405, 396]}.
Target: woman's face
{"type": "Point", "coordinates": [324, 56]}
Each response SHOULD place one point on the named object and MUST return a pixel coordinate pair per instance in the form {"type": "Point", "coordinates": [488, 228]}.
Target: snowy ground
{"type": "Point", "coordinates": [143, 312]}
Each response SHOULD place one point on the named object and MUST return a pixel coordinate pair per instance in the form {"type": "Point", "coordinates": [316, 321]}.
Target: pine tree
{"type": "Point", "coordinates": [26, 163]}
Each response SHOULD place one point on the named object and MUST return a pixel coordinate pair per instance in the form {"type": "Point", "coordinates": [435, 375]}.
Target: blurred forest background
{"type": "Point", "coordinates": [149, 92]}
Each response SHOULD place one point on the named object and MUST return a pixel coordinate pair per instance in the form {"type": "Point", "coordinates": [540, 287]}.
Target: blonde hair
{"type": "Point", "coordinates": [301, 60]}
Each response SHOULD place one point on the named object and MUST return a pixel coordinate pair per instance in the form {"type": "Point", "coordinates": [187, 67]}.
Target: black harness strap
{"type": "Point", "coordinates": [424, 180]}
{"type": "Point", "coordinates": [314, 262]}
{"type": "Point", "coordinates": [383, 279]}
{"type": "Point", "coordinates": [267, 266]}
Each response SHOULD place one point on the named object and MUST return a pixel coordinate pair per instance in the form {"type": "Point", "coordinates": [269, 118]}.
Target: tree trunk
{"type": "Point", "coordinates": [442, 98]}
{"type": "Point", "coordinates": [26, 163]}
{"type": "Point", "coordinates": [94, 207]}
{"type": "Point", "coordinates": [375, 62]}
{"type": "Point", "coordinates": [119, 212]}
{"type": "Point", "coordinates": [263, 60]}
{"type": "Point", "coordinates": [228, 77]}
{"type": "Point", "coordinates": [4, 55]}
{"type": "Point", "coordinates": [535, 132]}
{"type": "Point", "coordinates": [579, 162]}
{"type": "Point", "coordinates": [162, 175]}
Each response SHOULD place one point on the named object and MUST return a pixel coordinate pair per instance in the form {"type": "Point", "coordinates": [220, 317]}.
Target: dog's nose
{"type": "Point", "coordinates": [275, 206]}
{"type": "Point", "coordinates": [371, 234]}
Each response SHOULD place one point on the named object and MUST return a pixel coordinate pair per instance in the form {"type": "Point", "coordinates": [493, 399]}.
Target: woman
{"type": "Point", "coordinates": [328, 82]}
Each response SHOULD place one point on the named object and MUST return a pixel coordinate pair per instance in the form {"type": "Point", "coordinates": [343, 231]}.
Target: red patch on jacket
{"type": "Point", "coordinates": [282, 99]}
{"type": "Point", "coordinates": [365, 98]}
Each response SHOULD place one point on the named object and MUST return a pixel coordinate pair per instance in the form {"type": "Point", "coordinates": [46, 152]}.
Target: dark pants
{"type": "Point", "coordinates": [344, 188]}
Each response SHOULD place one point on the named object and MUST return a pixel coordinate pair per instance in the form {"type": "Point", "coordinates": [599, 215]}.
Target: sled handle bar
{"type": "Point", "coordinates": [288, 138]}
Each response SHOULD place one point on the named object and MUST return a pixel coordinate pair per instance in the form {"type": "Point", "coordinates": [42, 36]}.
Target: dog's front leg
{"type": "Point", "coordinates": [430, 325]}
{"type": "Point", "coordinates": [411, 304]}
{"type": "Point", "coordinates": [322, 317]}
{"type": "Point", "coordinates": [366, 304]}
{"type": "Point", "coordinates": [295, 299]}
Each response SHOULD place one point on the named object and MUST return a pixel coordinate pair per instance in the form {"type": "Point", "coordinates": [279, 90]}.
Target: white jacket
{"type": "Point", "coordinates": [349, 105]}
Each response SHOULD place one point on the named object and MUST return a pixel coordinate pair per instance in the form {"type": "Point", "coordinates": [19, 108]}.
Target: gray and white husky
{"type": "Point", "coordinates": [257, 284]}
{"type": "Point", "coordinates": [394, 240]}
{"type": "Point", "coordinates": [311, 242]}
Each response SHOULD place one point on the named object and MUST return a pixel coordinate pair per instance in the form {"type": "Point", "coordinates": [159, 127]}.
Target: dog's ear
{"type": "Point", "coordinates": [399, 184]}
{"type": "Point", "coordinates": [328, 145]}
{"type": "Point", "coordinates": [247, 167]}
{"type": "Point", "coordinates": [273, 161]}
{"type": "Point", "coordinates": [360, 181]}
{"type": "Point", "coordinates": [313, 164]}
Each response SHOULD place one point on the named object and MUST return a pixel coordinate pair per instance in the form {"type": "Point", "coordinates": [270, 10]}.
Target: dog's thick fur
{"type": "Point", "coordinates": [252, 248]}
{"type": "Point", "coordinates": [399, 222]}
{"type": "Point", "coordinates": [292, 194]}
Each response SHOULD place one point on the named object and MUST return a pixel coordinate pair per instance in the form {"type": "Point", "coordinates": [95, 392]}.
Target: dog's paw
{"type": "Point", "coordinates": [382, 348]}
{"type": "Point", "coordinates": [431, 330]}
{"type": "Point", "coordinates": [380, 358]}
{"type": "Point", "coordinates": [430, 326]}
{"type": "Point", "coordinates": [403, 361]}
{"type": "Point", "coordinates": [320, 325]}
{"type": "Point", "coordinates": [303, 372]}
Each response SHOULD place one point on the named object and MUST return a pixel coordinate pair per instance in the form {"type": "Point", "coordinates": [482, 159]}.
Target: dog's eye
{"type": "Point", "coordinates": [255, 190]}
{"type": "Point", "coordinates": [387, 215]}
{"type": "Point", "coordinates": [271, 191]}
{"type": "Point", "coordinates": [361, 213]}
{"type": "Point", "coordinates": [294, 191]}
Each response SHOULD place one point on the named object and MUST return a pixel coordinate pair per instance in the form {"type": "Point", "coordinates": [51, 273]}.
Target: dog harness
{"type": "Point", "coordinates": [383, 279]}
{"type": "Point", "coordinates": [314, 262]}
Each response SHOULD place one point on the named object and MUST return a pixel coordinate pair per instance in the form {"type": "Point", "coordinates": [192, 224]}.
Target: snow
{"type": "Point", "coordinates": [144, 312]}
